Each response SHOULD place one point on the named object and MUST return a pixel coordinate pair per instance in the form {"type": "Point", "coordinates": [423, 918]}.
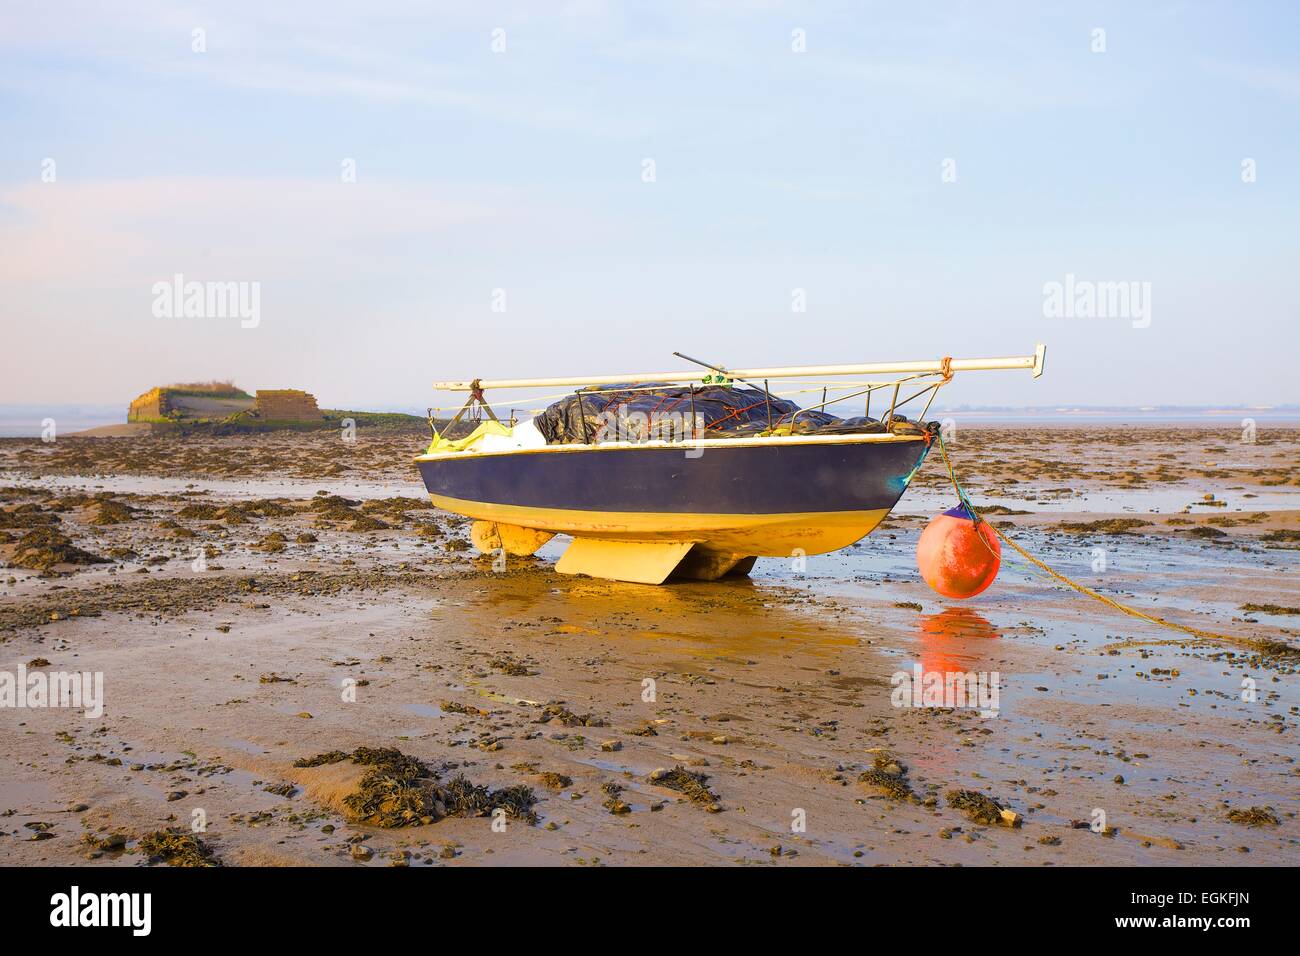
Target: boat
{"type": "Point", "coordinates": [684, 502]}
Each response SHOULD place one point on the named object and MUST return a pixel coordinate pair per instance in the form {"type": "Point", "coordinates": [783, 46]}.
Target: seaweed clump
{"type": "Point", "coordinates": [690, 783]}
{"type": "Point", "coordinates": [397, 791]}
{"type": "Point", "coordinates": [42, 548]}
{"type": "Point", "coordinates": [1255, 817]}
{"type": "Point", "coordinates": [1281, 536]}
{"type": "Point", "coordinates": [177, 848]}
{"type": "Point", "coordinates": [511, 668]}
{"type": "Point", "coordinates": [452, 707]}
{"type": "Point", "coordinates": [465, 799]}
{"type": "Point", "coordinates": [273, 543]}
{"type": "Point", "coordinates": [400, 790]}
{"type": "Point", "coordinates": [568, 718]}
{"type": "Point", "coordinates": [27, 516]}
{"type": "Point", "coordinates": [889, 776]}
{"type": "Point", "coordinates": [320, 760]}
{"type": "Point", "coordinates": [112, 512]}
{"type": "Point", "coordinates": [555, 781]}
{"type": "Point", "coordinates": [1269, 609]}
{"type": "Point", "coordinates": [1103, 526]}
{"type": "Point", "coordinates": [981, 808]}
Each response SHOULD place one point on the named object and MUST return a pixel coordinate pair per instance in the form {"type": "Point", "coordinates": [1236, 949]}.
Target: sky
{"type": "Point", "coordinates": [420, 191]}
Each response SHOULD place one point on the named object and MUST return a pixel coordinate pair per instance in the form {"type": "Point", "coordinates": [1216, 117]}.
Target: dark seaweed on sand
{"type": "Point", "coordinates": [27, 516]}
{"type": "Point", "coordinates": [400, 790]}
{"type": "Point", "coordinates": [511, 668]}
{"type": "Point", "coordinates": [113, 512]}
{"type": "Point", "coordinates": [1103, 526]}
{"type": "Point", "coordinates": [466, 799]}
{"type": "Point", "coordinates": [397, 791]}
{"type": "Point", "coordinates": [385, 800]}
{"type": "Point", "coordinates": [391, 761]}
{"type": "Point", "coordinates": [568, 718]}
{"type": "Point", "coordinates": [892, 785]}
{"type": "Point", "coordinates": [1255, 817]}
{"type": "Point", "coordinates": [177, 848]}
{"type": "Point", "coordinates": [689, 782]}
{"type": "Point", "coordinates": [1269, 609]}
{"type": "Point", "coordinates": [320, 760]}
{"type": "Point", "coordinates": [975, 805]}
{"type": "Point", "coordinates": [42, 548]}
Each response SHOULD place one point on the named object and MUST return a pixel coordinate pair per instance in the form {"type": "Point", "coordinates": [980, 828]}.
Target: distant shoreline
{"type": "Point", "coordinates": [26, 421]}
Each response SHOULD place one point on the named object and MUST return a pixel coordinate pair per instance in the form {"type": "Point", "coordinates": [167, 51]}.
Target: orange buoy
{"type": "Point", "coordinates": [957, 558]}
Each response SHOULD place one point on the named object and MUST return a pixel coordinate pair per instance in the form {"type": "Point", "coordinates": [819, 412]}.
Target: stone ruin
{"type": "Point", "coordinates": [286, 405]}
{"type": "Point", "coordinates": [189, 402]}
{"type": "Point", "coordinates": [223, 401]}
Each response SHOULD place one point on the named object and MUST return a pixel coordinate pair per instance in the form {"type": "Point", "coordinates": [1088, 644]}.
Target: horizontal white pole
{"type": "Point", "coordinates": [1033, 362]}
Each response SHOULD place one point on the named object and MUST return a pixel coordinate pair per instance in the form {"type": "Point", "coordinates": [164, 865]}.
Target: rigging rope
{"type": "Point", "coordinates": [964, 498]}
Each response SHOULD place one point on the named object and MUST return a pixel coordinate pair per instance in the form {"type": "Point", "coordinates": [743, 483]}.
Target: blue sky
{"type": "Point", "coordinates": [775, 170]}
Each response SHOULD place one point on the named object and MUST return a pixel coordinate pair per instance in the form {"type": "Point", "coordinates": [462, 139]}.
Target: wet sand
{"type": "Point", "coordinates": [220, 673]}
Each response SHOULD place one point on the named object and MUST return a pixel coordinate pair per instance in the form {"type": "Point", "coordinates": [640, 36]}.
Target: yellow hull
{"type": "Point", "coordinates": [767, 535]}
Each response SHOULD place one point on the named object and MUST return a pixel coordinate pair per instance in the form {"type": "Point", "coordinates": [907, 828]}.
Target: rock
{"type": "Point", "coordinates": [175, 795]}
{"type": "Point", "coordinates": [609, 746]}
{"type": "Point", "coordinates": [361, 852]}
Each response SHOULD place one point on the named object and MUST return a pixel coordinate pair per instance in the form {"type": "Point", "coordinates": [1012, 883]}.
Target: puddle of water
{"type": "Point", "coordinates": [923, 501]}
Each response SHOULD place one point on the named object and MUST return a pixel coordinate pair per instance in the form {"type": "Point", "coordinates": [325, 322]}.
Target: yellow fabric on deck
{"type": "Point", "coordinates": [488, 427]}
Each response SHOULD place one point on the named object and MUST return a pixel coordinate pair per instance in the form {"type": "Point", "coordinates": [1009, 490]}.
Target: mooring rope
{"type": "Point", "coordinates": [1267, 646]}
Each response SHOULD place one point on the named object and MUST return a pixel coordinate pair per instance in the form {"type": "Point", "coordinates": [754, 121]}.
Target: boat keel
{"type": "Point", "coordinates": [640, 562]}
{"type": "Point", "coordinates": [650, 562]}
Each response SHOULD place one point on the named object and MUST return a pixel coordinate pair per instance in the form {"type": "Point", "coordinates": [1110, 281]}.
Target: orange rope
{"type": "Point", "coordinates": [1111, 602]}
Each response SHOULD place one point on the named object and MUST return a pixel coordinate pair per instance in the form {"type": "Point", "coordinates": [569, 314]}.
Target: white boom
{"type": "Point", "coordinates": [1033, 362]}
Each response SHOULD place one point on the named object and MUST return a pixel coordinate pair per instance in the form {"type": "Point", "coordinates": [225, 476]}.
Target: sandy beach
{"type": "Point", "coordinates": [253, 602]}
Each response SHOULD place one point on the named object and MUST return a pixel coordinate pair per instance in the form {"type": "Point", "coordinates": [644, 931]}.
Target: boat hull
{"type": "Point", "coordinates": [770, 498]}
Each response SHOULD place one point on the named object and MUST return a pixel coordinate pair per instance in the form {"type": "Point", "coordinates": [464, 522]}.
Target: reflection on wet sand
{"type": "Point", "coordinates": [949, 639]}
{"type": "Point", "coordinates": [716, 619]}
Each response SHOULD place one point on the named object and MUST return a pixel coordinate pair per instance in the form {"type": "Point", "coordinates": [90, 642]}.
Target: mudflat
{"type": "Point", "coordinates": [304, 663]}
